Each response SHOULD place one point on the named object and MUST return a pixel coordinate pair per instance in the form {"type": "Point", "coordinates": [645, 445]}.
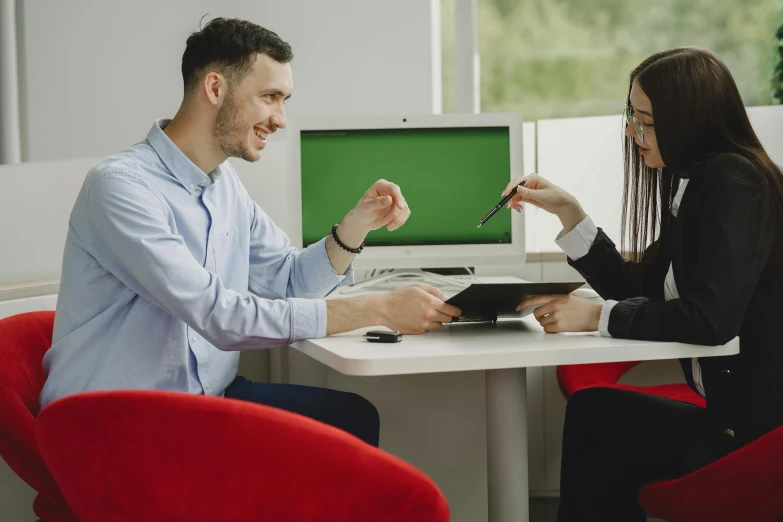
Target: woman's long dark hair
{"type": "Point", "coordinates": [698, 114]}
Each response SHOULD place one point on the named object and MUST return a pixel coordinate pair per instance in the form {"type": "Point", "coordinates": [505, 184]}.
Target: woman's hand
{"type": "Point", "coordinates": [564, 313]}
{"type": "Point", "coordinates": [547, 196]}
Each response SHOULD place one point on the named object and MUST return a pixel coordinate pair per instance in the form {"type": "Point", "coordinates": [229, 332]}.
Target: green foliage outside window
{"type": "Point", "coordinates": [570, 58]}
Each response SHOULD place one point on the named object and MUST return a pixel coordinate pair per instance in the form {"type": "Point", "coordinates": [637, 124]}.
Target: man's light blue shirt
{"type": "Point", "coordinates": [157, 266]}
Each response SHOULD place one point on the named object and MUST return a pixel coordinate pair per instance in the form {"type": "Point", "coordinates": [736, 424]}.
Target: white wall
{"type": "Point", "coordinates": [97, 73]}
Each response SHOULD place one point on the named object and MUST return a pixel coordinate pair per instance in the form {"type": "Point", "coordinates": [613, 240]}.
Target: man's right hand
{"type": "Point", "coordinates": [415, 309]}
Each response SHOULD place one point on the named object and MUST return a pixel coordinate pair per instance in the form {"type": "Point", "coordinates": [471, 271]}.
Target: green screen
{"type": "Point", "coordinates": [450, 177]}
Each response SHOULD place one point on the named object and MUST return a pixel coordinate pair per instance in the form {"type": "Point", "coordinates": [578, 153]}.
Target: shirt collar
{"type": "Point", "coordinates": [180, 166]}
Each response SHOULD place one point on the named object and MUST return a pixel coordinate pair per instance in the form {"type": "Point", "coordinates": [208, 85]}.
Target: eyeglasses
{"type": "Point", "coordinates": [629, 117]}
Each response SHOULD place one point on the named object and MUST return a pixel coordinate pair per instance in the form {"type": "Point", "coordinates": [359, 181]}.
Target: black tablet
{"type": "Point", "coordinates": [488, 301]}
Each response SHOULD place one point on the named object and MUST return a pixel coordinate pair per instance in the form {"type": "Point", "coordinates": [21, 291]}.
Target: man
{"type": "Point", "coordinates": [164, 242]}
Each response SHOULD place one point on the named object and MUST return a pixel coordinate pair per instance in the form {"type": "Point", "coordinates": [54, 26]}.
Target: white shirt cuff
{"type": "Point", "coordinates": [603, 322]}
{"type": "Point", "coordinates": [308, 318]}
{"type": "Point", "coordinates": [321, 277]}
{"type": "Point", "coordinates": [578, 241]}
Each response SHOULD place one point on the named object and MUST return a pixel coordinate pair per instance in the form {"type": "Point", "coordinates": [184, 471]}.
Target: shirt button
{"type": "Point", "coordinates": [193, 339]}
{"type": "Point", "coordinates": [192, 186]}
{"type": "Point", "coordinates": [206, 387]}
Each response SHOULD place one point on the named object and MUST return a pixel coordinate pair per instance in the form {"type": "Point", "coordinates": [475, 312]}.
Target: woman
{"type": "Point", "coordinates": [698, 180]}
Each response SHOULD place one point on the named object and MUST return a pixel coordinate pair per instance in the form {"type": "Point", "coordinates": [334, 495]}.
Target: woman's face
{"type": "Point", "coordinates": [643, 111]}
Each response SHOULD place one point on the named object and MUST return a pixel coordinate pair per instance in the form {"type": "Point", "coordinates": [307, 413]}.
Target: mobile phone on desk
{"type": "Point", "coordinates": [383, 336]}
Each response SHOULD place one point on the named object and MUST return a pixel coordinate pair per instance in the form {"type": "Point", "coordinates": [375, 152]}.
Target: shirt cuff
{"type": "Point", "coordinates": [603, 322]}
{"type": "Point", "coordinates": [308, 318]}
{"type": "Point", "coordinates": [348, 278]}
{"type": "Point", "coordinates": [578, 241]}
{"type": "Point", "coordinates": [325, 278]}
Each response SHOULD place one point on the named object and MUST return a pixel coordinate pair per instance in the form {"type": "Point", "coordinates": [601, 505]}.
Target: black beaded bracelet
{"type": "Point", "coordinates": [337, 240]}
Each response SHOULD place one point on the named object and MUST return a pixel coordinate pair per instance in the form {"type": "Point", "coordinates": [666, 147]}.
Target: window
{"type": "Point", "coordinates": [571, 58]}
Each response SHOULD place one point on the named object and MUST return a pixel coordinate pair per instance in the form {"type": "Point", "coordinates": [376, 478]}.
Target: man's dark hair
{"type": "Point", "coordinates": [228, 45]}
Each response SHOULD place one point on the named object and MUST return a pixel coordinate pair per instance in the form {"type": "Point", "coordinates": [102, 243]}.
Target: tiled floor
{"type": "Point", "coordinates": [545, 510]}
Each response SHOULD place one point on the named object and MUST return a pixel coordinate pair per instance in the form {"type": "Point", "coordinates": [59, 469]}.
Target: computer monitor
{"type": "Point", "coordinates": [451, 169]}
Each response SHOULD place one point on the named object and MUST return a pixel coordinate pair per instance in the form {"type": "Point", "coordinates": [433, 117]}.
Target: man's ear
{"type": "Point", "coordinates": [215, 87]}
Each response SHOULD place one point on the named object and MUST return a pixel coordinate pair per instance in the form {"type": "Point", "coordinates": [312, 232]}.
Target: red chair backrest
{"type": "Point", "coordinates": [575, 377]}
{"type": "Point", "coordinates": [743, 485]}
{"type": "Point", "coordinates": [141, 455]}
{"type": "Point", "coordinates": [24, 339]}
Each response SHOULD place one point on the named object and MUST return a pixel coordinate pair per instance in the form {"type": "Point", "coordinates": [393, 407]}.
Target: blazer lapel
{"type": "Point", "coordinates": [681, 239]}
{"type": "Point", "coordinates": [677, 247]}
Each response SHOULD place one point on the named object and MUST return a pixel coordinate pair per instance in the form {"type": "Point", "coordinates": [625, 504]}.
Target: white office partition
{"type": "Point", "coordinates": [37, 198]}
{"type": "Point", "coordinates": [529, 161]}
{"type": "Point", "coordinates": [27, 304]}
{"type": "Point", "coordinates": [767, 121]}
{"type": "Point", "coordinates": [35, 205]}
{"type": "Point", "coordinates": [528, 147]}
{"type": "Point", "coordinates": [584, 156]}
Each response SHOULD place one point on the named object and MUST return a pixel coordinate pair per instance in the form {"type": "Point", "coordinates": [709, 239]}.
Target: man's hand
{"type": "Point", "coordinates": [412, 309]}
{"type": "Point", "coordinates": [382, 205]}
{"type": "Point", "coordinates": [564, 313]}
{"type": "Point", "coordinates": [416, 308]}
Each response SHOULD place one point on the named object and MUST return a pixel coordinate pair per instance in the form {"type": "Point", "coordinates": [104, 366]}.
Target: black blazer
{"type": "Point", "coordinates": [726, 289]}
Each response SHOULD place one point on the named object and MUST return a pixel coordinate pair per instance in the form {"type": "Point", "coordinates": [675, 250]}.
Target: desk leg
{"type": "Point", "coordinates": [506, 396]}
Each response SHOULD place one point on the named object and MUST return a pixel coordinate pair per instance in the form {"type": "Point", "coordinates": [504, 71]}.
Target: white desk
{"type": "Point", "coordinates": [504, 350]}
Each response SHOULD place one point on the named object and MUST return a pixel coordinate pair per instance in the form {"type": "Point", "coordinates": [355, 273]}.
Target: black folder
{"type": "Point", "coordinates": [488, 301]}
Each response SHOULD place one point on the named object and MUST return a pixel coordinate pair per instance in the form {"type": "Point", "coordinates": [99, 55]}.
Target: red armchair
{"type": "Point", "coordinates": [141, 455]}
{"type": "Point", "coordinates": [579, 376]}
{"type": "Point", "coordinates": [122, 456]}
{"type": "Point", "coordinates": [24, 339]}
{"type": "Point", "coordinates": [743, 486]}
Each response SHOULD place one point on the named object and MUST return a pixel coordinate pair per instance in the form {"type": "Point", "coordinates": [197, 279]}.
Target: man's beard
{"type": "Point", "coordinates": [230, 131]}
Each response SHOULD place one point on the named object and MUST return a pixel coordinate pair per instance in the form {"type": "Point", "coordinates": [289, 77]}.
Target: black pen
{"type": "Point", "coordinates": [500, 205]}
